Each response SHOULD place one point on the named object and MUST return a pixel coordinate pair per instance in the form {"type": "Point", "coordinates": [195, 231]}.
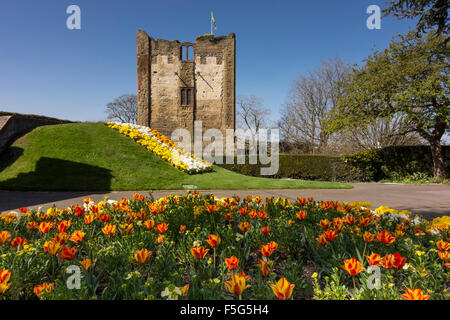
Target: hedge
{"type": "Point", "coordinates": [374, 165]}
{"type": "Point", "coordinates": [395, 162]}
{"type": "Point", "coordinates": [308, 167]}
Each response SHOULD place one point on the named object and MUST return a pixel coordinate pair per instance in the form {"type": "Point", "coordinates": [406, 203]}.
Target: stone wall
{"type": "Point", "coordinates": [13, 126]}
{"type": "Point", "coordinates": [162, 73]}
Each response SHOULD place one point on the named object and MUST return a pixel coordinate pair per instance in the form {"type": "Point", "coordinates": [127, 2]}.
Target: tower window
{"type": "Point", "coordinates": [186, 52]}
{"type": "Point", "coordinates": [187, 96]}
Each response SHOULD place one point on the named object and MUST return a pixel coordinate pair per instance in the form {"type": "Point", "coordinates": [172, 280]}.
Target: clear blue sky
{"type": "Point", "coordinates": [71, 74]}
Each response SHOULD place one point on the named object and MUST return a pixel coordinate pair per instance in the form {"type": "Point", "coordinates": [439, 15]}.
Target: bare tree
{"type": "Point", "coordinates": [305, 113]}
{"type": "Point", "coordinates": [382, 133]}
{"type": "Point", "coordinates": [123, 109]}
{"type": "Point", "coordinates": [252, 114]}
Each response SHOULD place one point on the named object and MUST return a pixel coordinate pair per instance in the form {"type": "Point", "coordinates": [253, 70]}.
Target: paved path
{"type": "Point", "coordinates": [429, 200]}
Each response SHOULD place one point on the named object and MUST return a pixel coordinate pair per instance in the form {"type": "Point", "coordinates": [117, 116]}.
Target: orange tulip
{"type": "Point", "coordinates": [444, 255]}
{"type": "Point", "coordinates": [243, 211]}
{"type": "Point", "coordinates": [105, 218]}
{"type": "Point", "coordinates": [87, 263]}
{"type": "Point", "coordinates": [162, 227]}
{"type": "Point", "coordinates": [301, 201]}
{"type": "Point", "coordinates": [443, 245]}
{"type": "Point", "coordinates": [265, 230]}
{"type": "Point", "coordinates": [237, 284]}
{"type": "Point", "coordinates": [199, 252]}
{"type": "Point", "coordinates": [64, 225]}
{"type": "Point", "coordinates": [182, 228]}
{"type": "Point", "coordinates": [265, 267]}
{"type": "Point", "coordinates": [142, 256]}
{"type": "Point", "coordinates": [77, 236]}
{"type": "Point", "coordinates": [5, 275]}
{"type": "Point", "coordinates": [68, 253]}
{"type": "Point", "coordinates": [184, 290]}
{"type": "Point", "coordinates": [393, 261]}
{"type": "Point", "coordinates": [352, 266]}
{"type": "Point", "coordinates": [368, 237]}
{"type": "Point", "coordinates": [161, 238]}
{"type": "Point", "coordinates": [385, 237]}
{"type": "Point", "coordinates": [31, 225]}
{"type": "Point", "coordinates": [324, 223]}
{"type": "Point", "coordinates": [252, 214]}
{"type": "Point", "coordinates": [330, 235]}
{"type": "Point", "coordinates": [268, 249]}
{"type": "Point", "coordinates": [244, 226]}
{"type": "Point", "coordinates": [301, 215]}
{"type": "Point", "coordinates": [78, 210]}
{"type": "Point", "coordinates": [45, 227]}
{"type": "Point", "coordinates": [18, 241]}
{"type": "Point", "coordinates": [109, 229]}
{"type": "Point", "coordinates": [374, 259]}
{"type": "Point", "coordinates": [127, 228]}
{"type": "Point", "coordinates": [88, 219]}
{"type": "Point", "coordinates": [61, 238]}
{"type": "Point", "coordinates": [45, 287]}
{"type": "Point", "coordinates": [322, 240]}
{"type": "Point", "coordinates": [363, 221]}
{"type": "Point", "coordinates": [213, 240]}
{"type": "Point", "coordinates": [149, 224]}
{"type": "Point", "coordinates": [52, 247]}
{"type": "Point", "coordinates": [350, 220]}
{"type": "Point", "coordinates": [262, 215]}
{"type": "Point", "coordinates": [414, 294]}
{"type": "Point", "coordinates": [282, 289]}
{"type": "Point", "coordinates": [211, 208]}
{"type": "Point", "coordinates": [232, 263]}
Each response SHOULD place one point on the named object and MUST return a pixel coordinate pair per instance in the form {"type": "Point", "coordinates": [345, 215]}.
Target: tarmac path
{"type": "Point", "coordinates": [428, 200]}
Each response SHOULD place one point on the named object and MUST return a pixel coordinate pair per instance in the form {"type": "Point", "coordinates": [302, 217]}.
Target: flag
{"type": "Point", "coordinates": [213, 20]}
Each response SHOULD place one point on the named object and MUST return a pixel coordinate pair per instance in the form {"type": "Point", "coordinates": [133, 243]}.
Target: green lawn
{"type": "Point", "coordinates": [93, 157]}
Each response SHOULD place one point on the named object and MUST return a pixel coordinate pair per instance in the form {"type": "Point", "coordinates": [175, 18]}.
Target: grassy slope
{"type": "Point", "coordinates": [92, 157]}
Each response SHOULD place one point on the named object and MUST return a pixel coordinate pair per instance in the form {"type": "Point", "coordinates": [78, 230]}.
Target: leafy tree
{"type": "Point", "coordinates": [123, 108]}
{"type": "Point", "coordinates": [410, 79]}
{"type": "Point", "coordinates": [432, 13]}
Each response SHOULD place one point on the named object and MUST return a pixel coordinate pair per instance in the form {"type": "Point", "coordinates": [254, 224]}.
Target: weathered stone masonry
{"type": "Point", "coordinates": [175, 90]}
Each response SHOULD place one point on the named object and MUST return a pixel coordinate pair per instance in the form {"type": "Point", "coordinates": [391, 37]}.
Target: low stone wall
{"type": "Point", "coordinates": [14, 125]}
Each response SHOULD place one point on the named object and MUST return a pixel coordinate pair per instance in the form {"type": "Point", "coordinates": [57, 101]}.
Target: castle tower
{"type": "Point", "coordinates": [182, 82]}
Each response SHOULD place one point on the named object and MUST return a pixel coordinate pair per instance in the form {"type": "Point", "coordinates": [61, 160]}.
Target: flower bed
{"type": "Point", "coordinates": [199, 247]}
{"type": "Point", "coordinates": [163, 147]}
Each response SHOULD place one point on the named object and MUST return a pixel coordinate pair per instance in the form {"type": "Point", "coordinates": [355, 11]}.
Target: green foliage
{"type": "Point", "coordinates": [431, 13]}
{"type": "Point", "coordinates": [303, 166]}
{"type": "Point", "coordinates": [91, 156]}
{"type": "Point", "coordinates": [392, 163]}
{"type": "Point", "coordinates": [410, 79]}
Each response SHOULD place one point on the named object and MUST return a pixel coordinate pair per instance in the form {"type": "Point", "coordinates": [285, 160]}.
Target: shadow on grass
{"type": "Point", "coordinates": [10, 156]}
{"type": "Point", "coordinates": [76, 179]}
{"type": "Point", "coordinates": [61, 175]}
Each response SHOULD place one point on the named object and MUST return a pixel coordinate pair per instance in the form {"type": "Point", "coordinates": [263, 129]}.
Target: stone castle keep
{"type": "Point", "coordinates": [182, 82]}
